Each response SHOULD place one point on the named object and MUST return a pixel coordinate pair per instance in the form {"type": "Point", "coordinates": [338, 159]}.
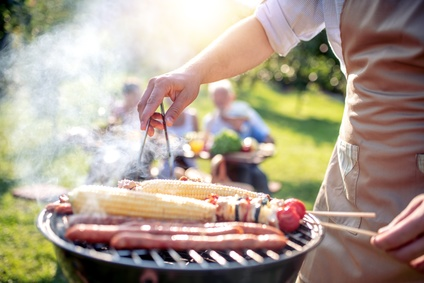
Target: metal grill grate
{"type": "Point", "coordinates": [307, 236]}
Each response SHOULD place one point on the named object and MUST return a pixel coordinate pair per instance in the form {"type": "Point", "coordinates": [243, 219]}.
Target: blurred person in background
{"type": "Point", "coordinates": [378, 160]}
{"type": "Point", "coordinates": [239, 116]}
{"type": "Point", "coordinates": [124, 111]}
{"type": "Point", "coordinates": [117, 155]}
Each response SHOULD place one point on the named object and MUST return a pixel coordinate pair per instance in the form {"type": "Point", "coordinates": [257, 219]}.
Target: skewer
{"type": "Point", "coordinates": [343, 214]}
{"type": "Point", "coordinates": [347, 228]}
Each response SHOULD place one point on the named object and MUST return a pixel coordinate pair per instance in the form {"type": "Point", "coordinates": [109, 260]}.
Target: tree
{"type": "Point", "coordinates": [310, 64]}
{"type": "Point", "coordinates": [30, 18]}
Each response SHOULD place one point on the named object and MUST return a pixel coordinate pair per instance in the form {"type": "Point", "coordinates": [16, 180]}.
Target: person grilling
{"type": "Point", "coordinates": [378, 160]}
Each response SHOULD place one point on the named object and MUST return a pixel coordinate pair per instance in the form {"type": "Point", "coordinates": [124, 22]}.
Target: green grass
{"type": "Point", "coordinates": [25, 255]}
{"type": "Point", "coordinates": [305, 127]}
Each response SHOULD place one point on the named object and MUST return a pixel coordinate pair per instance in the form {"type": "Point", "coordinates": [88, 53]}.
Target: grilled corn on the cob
{"type": "Point", "coordinates": [115, 201]}
{"type": "Point", "coordinates": [191, 189]}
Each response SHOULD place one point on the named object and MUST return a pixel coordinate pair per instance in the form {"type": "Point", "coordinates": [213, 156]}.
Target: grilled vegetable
{"type": "Point", "coordinates": [288, 219]}
{"type": "Point", "coordinates": [191, 189]}
{"type": "Point", "coordinates": [115, 201]}
{"type": "Point", "coordinates": [298, 206]}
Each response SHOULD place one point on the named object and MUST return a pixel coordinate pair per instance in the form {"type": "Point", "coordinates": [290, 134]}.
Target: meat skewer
{"type": "Point", "coordinates": [285, 215]}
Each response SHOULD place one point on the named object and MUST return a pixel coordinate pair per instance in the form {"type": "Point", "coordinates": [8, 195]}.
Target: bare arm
{"type": "Point", "coordinates": [242, 47]}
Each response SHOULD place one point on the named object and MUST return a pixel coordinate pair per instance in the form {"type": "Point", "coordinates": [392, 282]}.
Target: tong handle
{"type": "Point", "coordinates": [168, 146]}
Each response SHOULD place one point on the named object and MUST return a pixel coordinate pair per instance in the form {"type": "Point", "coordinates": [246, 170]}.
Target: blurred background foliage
{"type": "Point", "coordinates": [31, 18]}
{"type": "Point", "coordinates": [309, 66]}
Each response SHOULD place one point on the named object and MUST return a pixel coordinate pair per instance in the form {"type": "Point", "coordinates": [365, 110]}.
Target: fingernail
{"type": "Point", "coordinates": [169, 121]}
{"type": "Point", "coordinates": [142, 123]}
{"type": "Point", "coordinates": [383, 229]}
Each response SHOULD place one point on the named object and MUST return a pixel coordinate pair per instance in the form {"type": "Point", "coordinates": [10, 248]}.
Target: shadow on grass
{"type": "Point", "coordinates": [321, 130]}
{"type": "Point", "coordinates": [59, 277]}
{"type": "Point", "coordinates": [5, 186]}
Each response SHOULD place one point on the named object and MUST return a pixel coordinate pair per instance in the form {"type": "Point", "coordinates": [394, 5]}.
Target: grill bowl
{"type": "Point", "coordinates": [99, 263]}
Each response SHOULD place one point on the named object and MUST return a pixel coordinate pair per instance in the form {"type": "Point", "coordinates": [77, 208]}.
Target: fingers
{"type": "Point", "coordinates": [156, 121]}
{"type": "Point", "coordinates": [176, 108]}
{"type": "Point", "coordinates": [413, 205]}
{"type": "Point", "coordinates": [410, 251]}
{"type": "Point", "coordinates": [153, 96]}
{"type": "Point", "coordinates": [401, 233]}
{"type": "Point", "coordinates": [403, 238]}
{"type": "Point", "coordinates": [418, 264]}
{"type": "Point", "coordinates": [146, 106]}
{"type": "Point", "coordinates": [182, 90]}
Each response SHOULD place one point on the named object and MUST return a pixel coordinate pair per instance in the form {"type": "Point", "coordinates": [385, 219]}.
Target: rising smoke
{"type": "Point", "coordinates": [60, 87]}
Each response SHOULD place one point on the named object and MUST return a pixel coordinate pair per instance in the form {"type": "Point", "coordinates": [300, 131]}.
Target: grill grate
{"type": "Point", "coordinates": [307, 236]}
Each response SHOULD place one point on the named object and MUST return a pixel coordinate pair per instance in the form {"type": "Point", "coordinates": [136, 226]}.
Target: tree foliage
{"type": "Point", "coordinates": [310, 64]}
{"type": "Point", "coordinates": [30, 18]}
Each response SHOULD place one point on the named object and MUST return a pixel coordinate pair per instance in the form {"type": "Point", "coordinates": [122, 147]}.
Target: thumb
{"type": "Point", "coordinates": [173, 113]}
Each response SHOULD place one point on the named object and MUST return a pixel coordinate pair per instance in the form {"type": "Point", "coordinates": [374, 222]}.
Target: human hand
{"type": "Point", "coordinates": [403, 238]}
{"type": "Point", "coordinates": [181, 87]}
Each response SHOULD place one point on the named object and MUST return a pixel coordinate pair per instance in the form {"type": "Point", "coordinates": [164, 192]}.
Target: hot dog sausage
{"type": "Point", "coordinates": [59, 207]}
{"type": "Point", "coordinates": [248, 227]}
{"type": "Point", "coordinates": [93, 233]}
{"type": "Point", "coordinates": [131, 240]}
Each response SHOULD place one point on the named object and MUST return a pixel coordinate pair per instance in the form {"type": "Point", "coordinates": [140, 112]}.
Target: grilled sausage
{"type": "Point", "coordinates": [59, 207]}
{"type": "Point", "coordinates": [249, 227]}
{"type": "Point", "coordinates": [93, 233]}
{"type": "Point", "coordinates": [131, 240]}
{"type": "Point", "coordinates": [99, 219]}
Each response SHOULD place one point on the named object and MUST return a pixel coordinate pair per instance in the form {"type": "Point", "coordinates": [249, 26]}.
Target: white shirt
{"type": "Point", "coordinates": [287, 22]}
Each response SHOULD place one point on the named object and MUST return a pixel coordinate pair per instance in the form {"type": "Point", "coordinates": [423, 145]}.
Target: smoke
{"type": "Point", "coordinates": [60, 87]}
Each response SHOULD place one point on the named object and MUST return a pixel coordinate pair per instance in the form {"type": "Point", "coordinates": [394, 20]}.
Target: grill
{"type": "Point", "coordinates": [99, 263]}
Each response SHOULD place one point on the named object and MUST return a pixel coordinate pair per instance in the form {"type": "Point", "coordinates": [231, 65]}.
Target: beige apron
{"type": "Point", "coordinates": [377, 165]}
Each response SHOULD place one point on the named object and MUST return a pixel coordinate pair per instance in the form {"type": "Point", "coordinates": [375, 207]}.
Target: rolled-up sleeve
{"type": "Point", "coordinates": [288, 22]}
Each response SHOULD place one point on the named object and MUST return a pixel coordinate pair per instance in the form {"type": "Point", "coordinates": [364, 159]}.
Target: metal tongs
{"type": "Point", "coordinates": [168, 146]}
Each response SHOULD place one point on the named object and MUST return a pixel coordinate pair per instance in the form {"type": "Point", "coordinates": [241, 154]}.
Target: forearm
{"type": "Point", "coordinates": [242, 47]}
{"type": "Point", "coordinates": [239, 49]}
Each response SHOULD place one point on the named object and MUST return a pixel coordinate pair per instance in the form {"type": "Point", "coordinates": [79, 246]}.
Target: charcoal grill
{"type": "Point", "coordinates": [99, 263]}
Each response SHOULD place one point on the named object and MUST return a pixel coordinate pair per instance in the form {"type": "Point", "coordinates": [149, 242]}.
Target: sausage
{"type": "Point", "coordinates": [249, 227]}
{"type": "Point", "coordinates": [59, 207]}
{"type": "Point", "coordinates": [93, 233]}
{"type": "Point", "coordinates": [131, 240]}
{"type": "Point", "coordinates": [99, 219]}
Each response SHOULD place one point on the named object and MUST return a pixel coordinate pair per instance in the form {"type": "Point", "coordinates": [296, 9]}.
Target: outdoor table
{"type": "Point", "coordinates": [264, 151]}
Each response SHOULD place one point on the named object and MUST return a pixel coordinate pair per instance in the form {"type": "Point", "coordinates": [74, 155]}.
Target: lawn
{"type": "Point", "coordinates": [304, 125]}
